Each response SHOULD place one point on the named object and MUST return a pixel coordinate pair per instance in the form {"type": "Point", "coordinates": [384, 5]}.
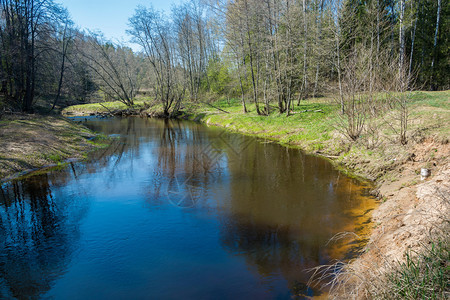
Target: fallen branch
{"type": "Point", "coordinates": [326, 155]}
{"type": "Point", "coordinates": [112, 113]}
{"type": "Point", "coordinates": [217, 108]}
{"type": "Point", "coordinates": [307, 110]}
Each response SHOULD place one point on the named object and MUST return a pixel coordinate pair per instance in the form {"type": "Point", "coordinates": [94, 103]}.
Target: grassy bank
{"type": "Point", "coordinates": [407, 253]}
{"type": "Point", "coordinates": [28, 142]}
{"type": "Point", "coordinates": [314, 127]}
{"type": "Point", "coordinates": [103, 108]}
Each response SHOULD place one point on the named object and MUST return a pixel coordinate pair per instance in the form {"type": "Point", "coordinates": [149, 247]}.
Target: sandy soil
{"type": "Point", "coordinates": [412, 212]}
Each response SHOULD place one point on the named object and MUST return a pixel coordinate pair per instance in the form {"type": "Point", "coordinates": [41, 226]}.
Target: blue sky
{"type": "Point", "coordinates": [110, 16]}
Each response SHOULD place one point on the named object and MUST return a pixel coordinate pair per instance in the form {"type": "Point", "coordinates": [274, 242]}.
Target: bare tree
{"type": "Point", "coordinates": [398, 89]}
{"type": "Point", "coordinates": [153, 32]}
{"type": "Point", "coordinates": [413, 32]}
{"type": "Point", "coordinates": [249, 13]}
{"type": "Point", "coordinates": [21, 24]}
{"type": "Point", "coordinates": [337, 41]}
{"type": "Point", "coordinates": [236, 45]}
{"type": "Point", "coordinates": [436, 32]}
{"type": "Point", "coordinates": [354, 100]}
{"type": "Point", "coordinates": [114, 68]}
{"type": "Point", "coordinates": [194, 43]}
{"type": "Point", "coordinates": [66, 35]}
{"type": "Point", "coordinates": [305, 55]}
{"type": "Point", "coordinates": [402, 35]}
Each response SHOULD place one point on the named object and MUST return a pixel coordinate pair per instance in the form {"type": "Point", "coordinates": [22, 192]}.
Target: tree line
{"type": "Point", "coordinates": [45, 59]}
{"type": "Point", "coordinates": [271, 53]}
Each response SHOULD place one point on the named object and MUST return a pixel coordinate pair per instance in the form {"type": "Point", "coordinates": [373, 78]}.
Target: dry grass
{"type": "Point", "coordinates": [32, 141]}
{"type": "Point", "coordinates": [423, 275]}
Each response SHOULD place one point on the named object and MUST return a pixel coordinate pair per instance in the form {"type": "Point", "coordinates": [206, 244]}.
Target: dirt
{"type": "Point", "coordinates": [412, 212]}
{"type": "Point", "coordinates": [29, 142]}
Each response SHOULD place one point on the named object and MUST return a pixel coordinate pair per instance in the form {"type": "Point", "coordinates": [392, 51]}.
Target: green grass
{"type": "Point", "coordinates": [101, 107]}
{"type": "Point", "coordinates": [313, 125]}
{"type": "Point", "coordinates": [423, 276]}
{"type": "Point", "coordinates": [430, 113]}
{"type": "Point", "coordinates": [53, 157]}
{"type": "Point", "coordinates": [304, 126]}
{"type": "Point", "coordinates": [439, 99]}
{"type": "Point", "coordinates": [101, 141]}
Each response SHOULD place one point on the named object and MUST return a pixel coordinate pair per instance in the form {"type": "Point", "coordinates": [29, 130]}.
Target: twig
{"type": "Point", "coordinates": [216, 107]}
{"type": "Point", "coordinates": [307, 110]}
{"type": "Point", "coordinates": [107, 109]}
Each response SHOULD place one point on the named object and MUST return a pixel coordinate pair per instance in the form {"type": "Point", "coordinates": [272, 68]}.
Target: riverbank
{"type": "Point", "coordinates": [407, 252]}
{"type": "Point", "coordinates": [31, 142]}
{"type": "Point", "coordinates": [412, 218]}
{"type": "Point", "coordinates": [412, 214]}
{"type": "Point", "coordinates": [312, 127]}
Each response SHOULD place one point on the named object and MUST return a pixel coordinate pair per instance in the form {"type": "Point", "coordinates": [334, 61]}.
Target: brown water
{"type": "Point", "coordinates": [174, 209]}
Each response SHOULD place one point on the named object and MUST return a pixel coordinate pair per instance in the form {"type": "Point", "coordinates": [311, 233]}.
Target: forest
{"type": "Point", "coordinates": [270, 53]}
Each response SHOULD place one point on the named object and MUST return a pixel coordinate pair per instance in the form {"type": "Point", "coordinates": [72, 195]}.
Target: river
{"type": "Point", "coordinates": [176, 210]}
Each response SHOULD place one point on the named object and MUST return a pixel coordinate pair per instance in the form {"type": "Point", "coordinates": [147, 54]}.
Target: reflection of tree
{"type": "Point", "coordinates": [185, 163]}
{"type": "Point", "coordinates": [127, 141]}
{"type": "Point", "coordinates": [284, 207]}
{"type": "Point", "coordinates": [273, 250]}
{"type": "Point", "coordinates": [37, 235]}
{"type": "Point", "coordinates": [169, 154]}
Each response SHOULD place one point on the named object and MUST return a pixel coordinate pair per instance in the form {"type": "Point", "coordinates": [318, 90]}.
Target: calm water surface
{"type": "Point", "coordinates": [175, 210]}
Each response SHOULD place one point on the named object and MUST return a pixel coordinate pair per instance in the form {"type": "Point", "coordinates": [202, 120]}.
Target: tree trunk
{"type": "Point", "coordinates": [413, 36]}
{"type": "Point", "coordinates": [378, 28]}
{"type": "Point", "coordinates": [402, 35]}
{"type": "Point", "coordinates": [338, 67]}
{"type": "Point", "coordinates": [305, 48]}
{"type": "Point", "coordinates": [318, 47]}
{"type": "Point", "coordinates": [250, 48]}
{"type": "Point", "coordinates": [436, 32]}
{"type": "Point", "coordinates": [61, 73]}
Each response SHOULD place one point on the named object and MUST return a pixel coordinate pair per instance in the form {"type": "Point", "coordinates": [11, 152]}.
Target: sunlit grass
{"type": "Point", "coordinates": [440, 99]}
{"type": "Point", "coordinates": [311, 125]}
{"type": "Point", "coordinates": [35, 141]}
{"type": "Point", "coordinates": [101, 107]}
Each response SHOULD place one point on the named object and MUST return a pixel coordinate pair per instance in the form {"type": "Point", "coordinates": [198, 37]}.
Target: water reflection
{"type": "Point", "coordinates": [284, 207]}
{"type": "Point", "coordinates": [266, 210]}
{"type": "Point", "coordinates": [38, 234]}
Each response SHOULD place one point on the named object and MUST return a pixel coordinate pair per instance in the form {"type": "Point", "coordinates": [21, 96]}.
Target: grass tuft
{"type": "Point", "coordinates": [423, 276]}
